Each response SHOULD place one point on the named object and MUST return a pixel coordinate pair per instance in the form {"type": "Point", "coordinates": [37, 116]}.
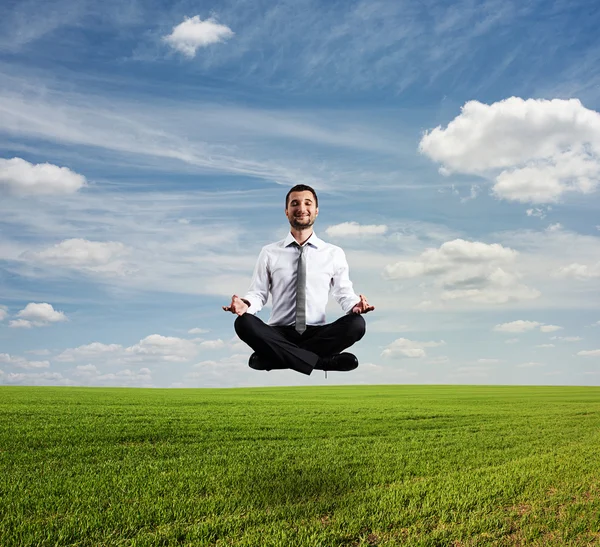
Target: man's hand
{"type": "Point", "coordinates": [363, 306]}
{"type": "Point", "coordinates": [237, 306]}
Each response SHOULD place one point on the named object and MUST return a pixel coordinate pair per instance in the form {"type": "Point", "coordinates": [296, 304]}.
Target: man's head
{"type": "Point", "coordinates": [301, 206]}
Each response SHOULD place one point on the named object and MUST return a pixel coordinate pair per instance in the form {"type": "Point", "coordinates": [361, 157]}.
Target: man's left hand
{"type": "Point", "coordinates": [363, 306]}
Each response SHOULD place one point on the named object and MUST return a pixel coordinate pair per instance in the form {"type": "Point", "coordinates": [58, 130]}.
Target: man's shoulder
{"type": "Point", "coordinates": [273, 246]}
{"type": "Point", "coordinates": [326, 246]}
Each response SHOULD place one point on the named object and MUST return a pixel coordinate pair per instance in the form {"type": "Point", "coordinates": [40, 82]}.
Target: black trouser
{"type": "Point", "coordinates": [284, 347]}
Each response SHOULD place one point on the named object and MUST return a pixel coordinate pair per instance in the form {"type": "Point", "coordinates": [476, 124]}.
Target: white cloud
{"type": "Point", "coordinates": [167, 348]}
{"type": "Point", "coordinates": [589, 353]}
{"type": "Point", "coordinates": [91, 375]}
{"type": "Point", "coordinates": [125, 377]}
{"type": "Point", "coordinates": [238, 346]}
{"type": "Point", "coordinates": [22, 178]}
{"type": "Point", "coordinates": [567, 338]}
{"type": "Point", "coordinates": [20, 362]}
{"type": "Point", "coordinates": [550, 328]}
{"type": "Point", "coordinates": [212, 344]}
{"type": "Point", "coordinates": [525, 326]}
{"type": "Point", "coordinates": [37, 378]}
{"type": "Point", "coordinates": [3, 313]}
{"type": "Point", "coordinates": [539, 212]}
{"type": "Point", "coordinates": [20, 324]}
{"type": "Point", "coordinates": [403, 347]}
{"type": "Point", "coordinates": [580, 271]}
{"type": "Point", "coordinates": [38, 315]}
{"type": "Point", "coordinates": [151, 349]}
{"type": "Point", "coordinates": [517, 326]}
{"type": "Point", "coordinates": [485, 361]}
{"type": "Point", "coordinates": [467, 270]}
{"type": "Point", "coordinates": [535, 150]}
{"type": "Point", "coordinates": [89, 351]}
{"type": "Point", "coordinates": [86, 369]}
{"type": "Point", "coordinates": [511, 341]}
{"type": "Point", "coordinates": [198, 331]}
{"type": "Point", "coordinates": [195, 33]}
{"type": "Point", "coordinates": [530, 365]}
{"type": "Point", "coordinates": [81, 254]}
{"type": "Point", "coordinates": [353, 229]}
{"type": "Point", "coordinates": [545, 346]}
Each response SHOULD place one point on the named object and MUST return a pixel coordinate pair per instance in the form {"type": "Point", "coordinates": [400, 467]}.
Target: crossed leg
{"type": "Point", "coordinates": [283, 347]}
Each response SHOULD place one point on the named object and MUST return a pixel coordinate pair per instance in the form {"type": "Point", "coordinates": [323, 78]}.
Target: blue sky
{"type": "Point", "coordinates": [146, 149]}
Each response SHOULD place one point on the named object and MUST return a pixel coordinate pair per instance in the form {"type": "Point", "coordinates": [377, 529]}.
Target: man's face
{"type": "Point", "coordinates": [301, 210]}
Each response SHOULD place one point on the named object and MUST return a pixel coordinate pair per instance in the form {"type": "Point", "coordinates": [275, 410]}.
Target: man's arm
{"type": "Point", "coordinates": [341, 287]}
{"type": "Point", "coordinates": [258, 292]}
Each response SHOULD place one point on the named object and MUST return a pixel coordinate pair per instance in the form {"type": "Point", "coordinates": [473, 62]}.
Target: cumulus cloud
{"type": "Point", "coordinates": [152, 349]}
{"type": "Point", "coordinates": [580, 271]}
{"type": "Point", "coordinates": [468, 270]}
{"type": "Point", "coordinates": [550, 328]}
{"type": "Point", "coordinates": [36, 379]}
{"type": "Point", "coordinates": [91, 375]}
{"type": "Point", "coordinates": [167, 348]}
{"type": "Point", "coordinates": [403, 347]}
{"type": "Point", "coordinates": [197, 331]}
{"type": "Point", "coordinates": [194, 33]}
{"type": "Point", "coordinates": [20, 362]}
{"type": "Point", "coordinates": [81, 254]}
{"type": "Point", "coordinates": [517, 326]}
{"type": "Point", "coordinates": [534, 150]}
{"type": "Point", "coordinates": [589, 353]}
{"type": "Point", "coordinates": [352, 229]}
{"type": "Point", "coordinates": [89, 351]}
{"type": "Point", "coordinates": [20, 324]}
{"type": "Point", "coordinates": [86, 370]}
{"type": "Point", "coordinates": [3, 313]}
{"type": "Point", "coordinates": [524, 326]}
{"type": "Point", "coordinates": [19, 177]}
{"type": "Point", "coordinates": [212, 344]}
{"type": "Point", "coordinates": [37, 315]}
{"type": "Point", "coordinates": [567, 338]}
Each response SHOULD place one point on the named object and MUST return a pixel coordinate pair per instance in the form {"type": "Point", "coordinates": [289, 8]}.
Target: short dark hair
{"type": "Point", "coordinates": [301, 188]}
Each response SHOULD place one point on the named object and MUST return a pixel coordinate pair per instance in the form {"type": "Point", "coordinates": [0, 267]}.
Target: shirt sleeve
{"type": "Point", "coordinates": [341, 286]}
{"type": "Point", "coordinates": [259, 287]}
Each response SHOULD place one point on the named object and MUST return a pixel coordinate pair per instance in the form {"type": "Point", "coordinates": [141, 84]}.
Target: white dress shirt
{"type": "Point", "coordinates": [276, 272]}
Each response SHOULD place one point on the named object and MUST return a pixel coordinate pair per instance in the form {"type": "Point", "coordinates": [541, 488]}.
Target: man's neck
{"type": "Point", "coordinates": [301, 235]}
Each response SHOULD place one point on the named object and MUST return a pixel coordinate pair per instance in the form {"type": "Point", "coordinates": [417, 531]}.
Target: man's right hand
{"type": "Point", "coordinates": [237, 306]}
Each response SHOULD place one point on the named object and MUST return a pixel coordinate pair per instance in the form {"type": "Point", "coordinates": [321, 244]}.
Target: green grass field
{"type": "Point", "coordinates": [325, 466]}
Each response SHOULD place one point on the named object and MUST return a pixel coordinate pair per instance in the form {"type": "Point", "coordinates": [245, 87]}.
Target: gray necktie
{"type": "Point", "coordinates": [301, 293]}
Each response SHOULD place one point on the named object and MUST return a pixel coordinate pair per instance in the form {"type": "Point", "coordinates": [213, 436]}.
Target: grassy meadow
{"type": "Point", "coordinates": [323, 466]}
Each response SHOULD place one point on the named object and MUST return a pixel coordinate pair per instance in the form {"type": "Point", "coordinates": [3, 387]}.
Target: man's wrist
{"type": "Point", "coordinates": [247, 302]}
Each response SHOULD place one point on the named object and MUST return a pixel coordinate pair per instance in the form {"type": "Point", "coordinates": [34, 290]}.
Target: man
{"type": "Point", "coordinates": [300, 272]}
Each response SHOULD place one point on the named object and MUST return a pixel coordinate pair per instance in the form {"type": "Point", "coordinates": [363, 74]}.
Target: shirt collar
{"type": "Point", "coordinates": [313, 240]}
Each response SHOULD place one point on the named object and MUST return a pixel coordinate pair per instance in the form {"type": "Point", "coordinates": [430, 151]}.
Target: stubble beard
{"type": "Point", "coordinates": [300, 224]}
